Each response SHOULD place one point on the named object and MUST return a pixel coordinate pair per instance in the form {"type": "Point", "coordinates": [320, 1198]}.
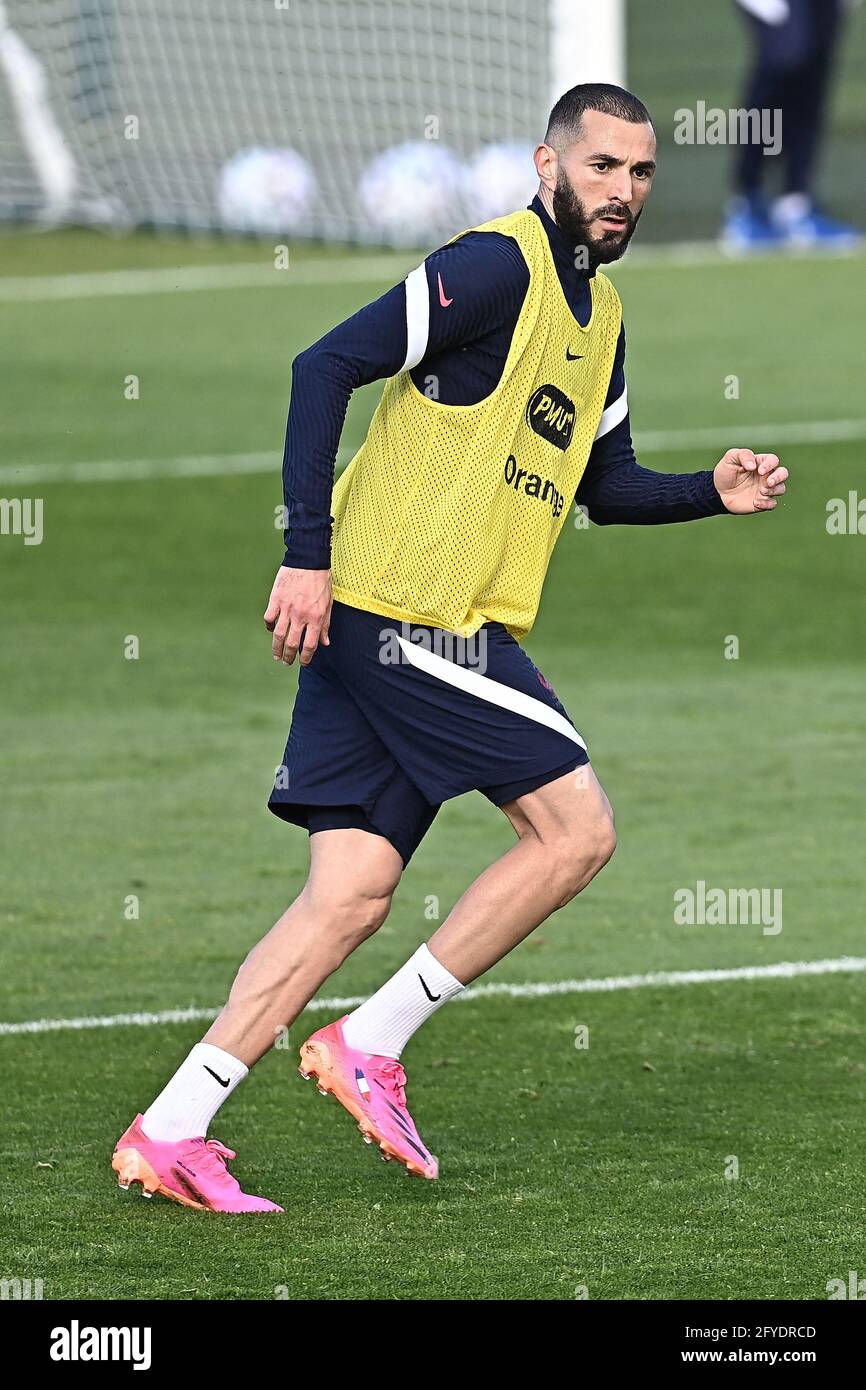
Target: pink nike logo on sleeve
{"type": "Point", "coordinates": [442, 300]}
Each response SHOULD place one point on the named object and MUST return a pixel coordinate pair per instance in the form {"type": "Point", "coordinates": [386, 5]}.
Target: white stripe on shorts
{"type": "Point", "coordinates": [486, 689]}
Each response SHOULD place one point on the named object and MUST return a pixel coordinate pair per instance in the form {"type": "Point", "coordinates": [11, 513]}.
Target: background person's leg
{"type": "Point", "coordinates": [807, 81]}
{"type": "Point", "coordinates": [765, 89]}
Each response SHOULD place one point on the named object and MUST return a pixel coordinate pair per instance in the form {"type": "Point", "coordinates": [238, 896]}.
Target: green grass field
{"type": "Point", "coordinates": [562, 1169]}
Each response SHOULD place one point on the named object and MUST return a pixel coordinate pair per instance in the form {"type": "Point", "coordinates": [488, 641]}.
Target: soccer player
{"type": "Point", "coordinates": [505, 402]}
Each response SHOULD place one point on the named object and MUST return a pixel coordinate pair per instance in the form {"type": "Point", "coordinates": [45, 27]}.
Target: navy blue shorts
{"type": "Point", "coordinates": [392, 719]}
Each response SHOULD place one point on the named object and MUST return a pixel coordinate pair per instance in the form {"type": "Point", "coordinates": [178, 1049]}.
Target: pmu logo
{"type": "Point", "coordinates": [551, 414]}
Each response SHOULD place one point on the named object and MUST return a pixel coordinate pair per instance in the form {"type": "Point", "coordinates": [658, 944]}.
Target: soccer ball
{"type": "Point", "coordinates": [499, 179]}
{"type": "Point", "coordinates": [411, 190]}
{"type": "Point", "coordinates": [265, 191]}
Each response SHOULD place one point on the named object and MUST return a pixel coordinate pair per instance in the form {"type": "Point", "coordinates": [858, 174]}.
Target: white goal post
{"type": "Point", "coordinates": [587, 43]}
{"type": "Point", "coordinates": [284, 115]}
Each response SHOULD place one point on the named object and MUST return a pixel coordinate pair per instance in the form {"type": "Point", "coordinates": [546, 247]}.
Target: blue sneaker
{"type": "Point", "coordinates": [747, 227]}
{"type": "Point", "coordinates": [801, 224]}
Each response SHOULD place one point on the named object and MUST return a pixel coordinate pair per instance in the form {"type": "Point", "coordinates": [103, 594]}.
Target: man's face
{"type": "Point", "coordinates": [601, 183]}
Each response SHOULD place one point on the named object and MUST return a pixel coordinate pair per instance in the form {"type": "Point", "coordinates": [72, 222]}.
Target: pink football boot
{"type": "Point", "coordinates": [372, 1089]}
{"type": "Point", "coordinates": [192, 1172]}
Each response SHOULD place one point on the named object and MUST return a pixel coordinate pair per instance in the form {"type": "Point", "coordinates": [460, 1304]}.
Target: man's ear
{"type": "Point", "coordinates": [547, 165]}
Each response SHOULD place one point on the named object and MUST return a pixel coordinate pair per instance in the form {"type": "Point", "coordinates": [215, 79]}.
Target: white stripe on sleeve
{"type": "Point", "coordinates": [613, 415]}
{"type": "Point", "coordinates": [417, 316]}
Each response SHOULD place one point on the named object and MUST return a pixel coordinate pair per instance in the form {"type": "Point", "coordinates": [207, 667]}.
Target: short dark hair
{"type": "Point", "coordinates": [567, 115]}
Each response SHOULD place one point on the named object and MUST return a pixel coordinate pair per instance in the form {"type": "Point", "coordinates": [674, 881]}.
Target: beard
{"type": "Point", "coordinates": [573, 218]}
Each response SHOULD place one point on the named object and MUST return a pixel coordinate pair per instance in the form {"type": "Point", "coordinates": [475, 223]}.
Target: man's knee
{"type": "Point", "coordinates": [351, 912]}
{"type": "Point", "coordinates": [578, 858]}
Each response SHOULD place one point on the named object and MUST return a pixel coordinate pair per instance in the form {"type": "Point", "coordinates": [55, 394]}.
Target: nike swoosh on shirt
{"type": "Point", "coordinates": [573, 356]}
{"type": "Point", "coordinates": [442, 300]}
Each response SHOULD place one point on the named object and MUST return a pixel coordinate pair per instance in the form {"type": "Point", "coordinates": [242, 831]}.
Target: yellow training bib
{"type": "Point", "coordinates": [448, 514]}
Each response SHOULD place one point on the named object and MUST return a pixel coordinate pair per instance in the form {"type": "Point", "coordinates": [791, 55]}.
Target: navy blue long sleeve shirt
{"type": "Point", "coordinates": [453, 319]}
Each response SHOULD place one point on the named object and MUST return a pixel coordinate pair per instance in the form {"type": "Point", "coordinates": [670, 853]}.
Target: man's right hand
{"type": "Point", "coordinates": [299, 613]}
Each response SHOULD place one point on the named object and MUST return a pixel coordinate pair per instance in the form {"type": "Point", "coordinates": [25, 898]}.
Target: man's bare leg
{"type": "Point", "coordinates": [347, 897]}
{"type": "Point", "coordinates": [353, 874]}
{"type": "Point", "coordinates": [565, 836]}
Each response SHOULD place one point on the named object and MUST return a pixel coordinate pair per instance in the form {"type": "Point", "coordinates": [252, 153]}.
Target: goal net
{"type": "Point", "coordinates": [380, 121]}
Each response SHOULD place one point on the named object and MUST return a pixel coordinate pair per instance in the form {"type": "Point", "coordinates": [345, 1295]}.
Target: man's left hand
{"type": "Point", "coordinates": [748, 482]}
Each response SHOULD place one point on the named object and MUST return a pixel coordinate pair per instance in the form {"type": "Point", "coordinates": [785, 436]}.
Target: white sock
{"type": "Point", "coordinates": [385, 1023]}
{"type": "Point", "coordinates": [193, 1095]}
{"type": "Point", "coordinates": [791, 208]}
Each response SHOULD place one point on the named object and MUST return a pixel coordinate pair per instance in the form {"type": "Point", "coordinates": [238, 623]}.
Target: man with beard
{"type": "Point", "coordinates": [506, 401]}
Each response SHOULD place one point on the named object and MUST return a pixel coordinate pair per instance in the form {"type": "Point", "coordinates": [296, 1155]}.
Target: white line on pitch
{"type": "Point", "coordinates": [141, 470]}
{"type": "Point", "coordinates": [97, 284]}
{"type": "Point", "coordinates": [703, 255]}
{"type": "Point", "coordinates": [220, 465]}
{"type": "Point", "coordinates": [712, 436]}
{"type": "Point", "coordinates": [321, 270]}
{"type": "Point", "coordinates": [783, 970]}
